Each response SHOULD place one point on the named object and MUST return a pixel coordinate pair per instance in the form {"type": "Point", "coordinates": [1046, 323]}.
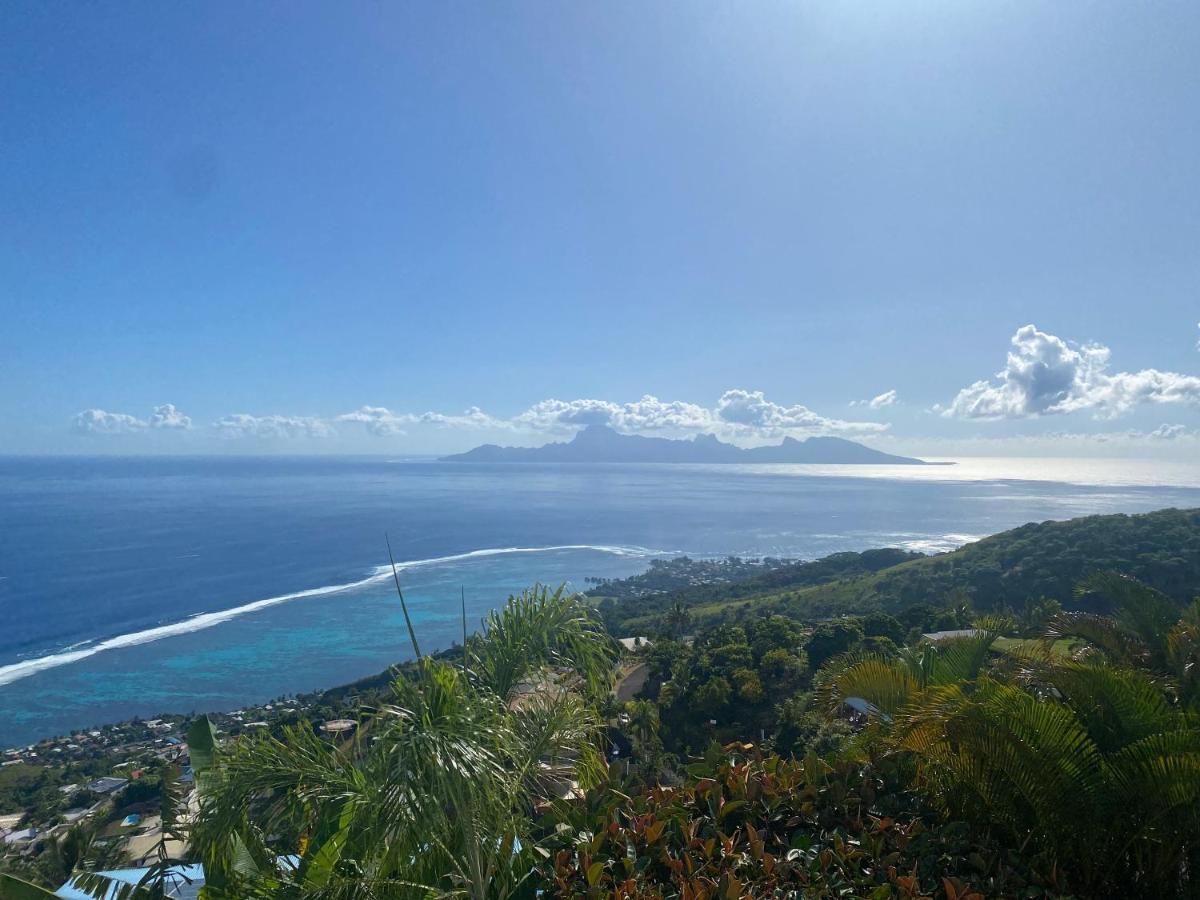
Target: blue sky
{"type": "Point", "coordinates": [335, 228]}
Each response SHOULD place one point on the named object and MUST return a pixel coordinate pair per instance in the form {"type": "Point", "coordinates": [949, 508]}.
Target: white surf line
{"type": "Point", "coordinates": [200, 621]}
{"type": "Point", "coordinates": [500, 551]}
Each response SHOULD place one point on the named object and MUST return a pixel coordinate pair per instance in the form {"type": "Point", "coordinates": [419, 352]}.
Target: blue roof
{"type": "Point", "coordinates": [179, 886]}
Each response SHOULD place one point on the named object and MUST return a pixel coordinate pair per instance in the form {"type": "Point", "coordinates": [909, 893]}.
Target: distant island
{"type": "Point", "coordinates": [601, 444]}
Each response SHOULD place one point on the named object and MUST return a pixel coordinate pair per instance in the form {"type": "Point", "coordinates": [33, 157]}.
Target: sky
{"type": "Point", "coordinates": [934, 227]}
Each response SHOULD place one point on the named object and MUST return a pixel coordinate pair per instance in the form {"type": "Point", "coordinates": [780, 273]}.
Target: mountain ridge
{"type": "Point", "coordinates": [600, 443]}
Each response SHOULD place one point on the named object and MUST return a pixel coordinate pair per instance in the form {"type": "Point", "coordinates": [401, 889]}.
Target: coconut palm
{"type": "Point", "coordinates": [677, 619]}
{"type": "Point", "coordinates": [433, 796]}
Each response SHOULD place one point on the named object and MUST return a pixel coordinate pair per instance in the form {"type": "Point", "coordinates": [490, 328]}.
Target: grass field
{"type": "Point", "coordinates": [1061, 647]}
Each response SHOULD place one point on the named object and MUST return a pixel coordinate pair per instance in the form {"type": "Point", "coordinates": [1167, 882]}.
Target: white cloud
{"type": "Point", "coordinates": [1045, 375]}
{"type": "Point", "coordinates": [242, 425]}
{"type": "Point", "coordinates": [737, 413]}
{"type": "Point", "coordinates": [750, 411]}
{"type": "Point", "coordinates": [379, 420]}
{"type": "Point", "coordinates": [887, 398]}
{"type": "Point", "coordinates": [646, 414]}
{"type": "Point", "coordinates": [1128, 436]}
{"type": "Point", "coordinates": [97, 421]}
{"type": "Point", "coordinates": [474, 417]}
{"type": "Point", "coordinates": [1170, 432]}
{"type": "Point", "coordinates": [167, 416]}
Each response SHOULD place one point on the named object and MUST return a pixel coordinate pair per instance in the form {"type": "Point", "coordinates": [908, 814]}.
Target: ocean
{"type": "Point", "coordinates": [138, 586]}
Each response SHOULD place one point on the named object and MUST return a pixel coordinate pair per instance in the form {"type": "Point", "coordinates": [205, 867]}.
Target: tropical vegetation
{"type": "Point", "coordinates": [1044, 749]}
{"type": "Point", "coordinates": [1008, 571]}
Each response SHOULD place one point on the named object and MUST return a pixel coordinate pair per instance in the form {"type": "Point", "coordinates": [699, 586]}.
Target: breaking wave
{"type": "Point", "coordinates": [200, 621]}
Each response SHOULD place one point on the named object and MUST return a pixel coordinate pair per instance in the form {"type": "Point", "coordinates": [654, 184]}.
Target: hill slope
{"type": "Point", "coordinates": [1005, 570]}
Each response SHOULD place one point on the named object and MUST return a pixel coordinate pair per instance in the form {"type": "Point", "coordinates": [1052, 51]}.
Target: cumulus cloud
{"type": "Point", "coordinates": [242, 425]}
{"type": "Point", "coordinates": [750, 411]}
{"type": "Point", "coordinates": [1046, 375]}
{"type": "Point", "coordinates": [1170, 432]}
{"type": "Point", "coordinates": [737, 413]}
{"type": "Point", "coordinates": [98, 421]}
{"type": "Point", "coordinates": [887, 398]}
{"type": "Point", "coordinates": [167, 416]}
{"type": "Point", "coordinates": [473, 417]}
{"type": "Point", "coordinates": [381, 421]}
{"type": "Point", "coordinates": [646, 414]}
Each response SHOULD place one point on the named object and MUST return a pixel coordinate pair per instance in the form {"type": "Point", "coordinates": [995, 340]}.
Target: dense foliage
{"type": "Point", "coordinates": [772, 828]}
{"type": "Point", "coordinates": [1090, 759]}
{"type": "Point", "coordinates": [1011, 571]}
{"type": "Point", "coordinates": [631, 604]}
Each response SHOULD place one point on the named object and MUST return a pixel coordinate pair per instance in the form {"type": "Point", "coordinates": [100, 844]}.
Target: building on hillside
{"type": "Point", "coordinates": [107, 785]}
{"type": "Point", "coordinates": [183, 883]}
{"type": "Point", "coordinates": [936, 636]}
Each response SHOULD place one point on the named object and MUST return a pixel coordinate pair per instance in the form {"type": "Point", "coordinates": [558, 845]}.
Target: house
{"type": "Point", "coordinates": [634, 644]}
{"type": "Point", "coordinates": [24, 836]}
{"type": "Point", "coordinates": [936, 636]}
{"type": "Point", "coordinates": [183, 883]}
{"type": "Point", "coordinates": [107, 785]}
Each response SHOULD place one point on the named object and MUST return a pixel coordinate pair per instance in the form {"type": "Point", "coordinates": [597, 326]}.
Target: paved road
{"type": "Point", "coordinates": [631, 682]}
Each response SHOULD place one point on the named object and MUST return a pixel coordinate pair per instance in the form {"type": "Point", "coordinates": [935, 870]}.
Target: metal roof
{"type": "Point", "coordinates": [184, 883]}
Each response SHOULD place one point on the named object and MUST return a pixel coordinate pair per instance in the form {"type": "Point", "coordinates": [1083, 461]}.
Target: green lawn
{"type": "Point", "coordinates": [1061, 647]}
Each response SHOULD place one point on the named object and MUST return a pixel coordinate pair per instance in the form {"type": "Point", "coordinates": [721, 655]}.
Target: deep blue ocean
{"type": "Point", "coordinates": [137, 586]}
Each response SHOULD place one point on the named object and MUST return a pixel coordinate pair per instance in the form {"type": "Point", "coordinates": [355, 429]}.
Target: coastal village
{"type": "Point", "coordinates": [108, 778]}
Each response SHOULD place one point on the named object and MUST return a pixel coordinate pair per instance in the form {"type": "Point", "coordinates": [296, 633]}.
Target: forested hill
{"type": "Point", "coordinates": [1005, 570]}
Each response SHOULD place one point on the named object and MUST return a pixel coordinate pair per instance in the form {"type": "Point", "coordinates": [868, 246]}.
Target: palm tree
{"type": "Point", "coordinates": [1055, 758]}
{"type": "Point", "coordinates": [643, 720]}
{"type": "Point", "coordinates": [1145, 631]}
{"type": "Point", "coordinates": [1060, 770]}
{"type": "Point", "coordinates": [677, 619]}
{"type": "Point", "coordinates": [433, 796]}
{"type": "Point", "coordinates": [887, 685]}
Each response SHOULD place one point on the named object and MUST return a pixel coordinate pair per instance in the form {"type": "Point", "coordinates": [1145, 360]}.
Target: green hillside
{"type": "Point", "coordinates": [1036, 560]}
